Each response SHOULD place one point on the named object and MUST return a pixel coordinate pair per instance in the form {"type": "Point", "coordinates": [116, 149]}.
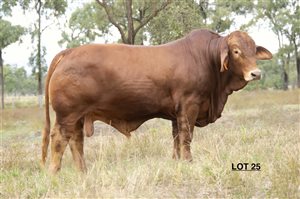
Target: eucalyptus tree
{"type": "Point", "coordinates": [283, 19]}
{"type": "Point", "coordinates": [130, 17]}
{"type": "Point", "coordinates": [96, 19]}
{"type": "Point", "coordinates": [46, 12]}
{"type": "Point", "coordinates": [8, 34]}
{"type": "Point", "coordinates": [183, 16]}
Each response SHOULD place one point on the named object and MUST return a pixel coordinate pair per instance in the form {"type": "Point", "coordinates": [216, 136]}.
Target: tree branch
{"type": "Point", "coordinates": [47, 27]}
{"type": "Point", "coordinates": [137, 19]}
{"type": "Point", "coordinates": [111, 19]}
{"type": "Point", "coordinates": [130, 28]}
{"type": "Point", "coordinates": [151, 16]}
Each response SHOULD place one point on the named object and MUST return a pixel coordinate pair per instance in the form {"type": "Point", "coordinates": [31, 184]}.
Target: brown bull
{"type": "Point", "coordinates": [186, 81]}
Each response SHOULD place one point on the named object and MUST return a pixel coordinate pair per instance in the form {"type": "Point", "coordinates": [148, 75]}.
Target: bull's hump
{"type": "Point", "coordinates": [203, 32]}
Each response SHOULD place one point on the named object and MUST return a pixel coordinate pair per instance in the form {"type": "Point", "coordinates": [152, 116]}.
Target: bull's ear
{"type": "Point", "coordinates": [224, 55]}
{"type": "Point", "coordinates": [262, 53]}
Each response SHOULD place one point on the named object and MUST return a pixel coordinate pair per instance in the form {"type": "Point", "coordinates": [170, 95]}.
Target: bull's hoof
{"type": "Point", "coordinates": [53, 169]}
{"type": "Point", "coordinates": [187, 157]}
{"type": "Point", "coordinates": [42, 164]}
{"type": "Point", "coordinates": [175, 156]}
{"type": "Point", "coordinates": [82, 169]}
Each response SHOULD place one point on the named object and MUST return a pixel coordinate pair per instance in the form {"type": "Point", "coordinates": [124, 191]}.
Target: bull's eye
{"type": "Point", "coordinates": [236, 52]}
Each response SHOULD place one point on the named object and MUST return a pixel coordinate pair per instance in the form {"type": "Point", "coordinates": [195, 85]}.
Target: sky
{"type": "Point", "coordinates": [19, 53]}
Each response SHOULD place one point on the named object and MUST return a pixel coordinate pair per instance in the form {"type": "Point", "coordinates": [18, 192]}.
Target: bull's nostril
{"type": "Point", "coordinates": [253, 75]}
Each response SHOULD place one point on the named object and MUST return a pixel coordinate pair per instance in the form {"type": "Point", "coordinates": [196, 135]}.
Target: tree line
{"type": "Point", "coordinates": [149, 22]}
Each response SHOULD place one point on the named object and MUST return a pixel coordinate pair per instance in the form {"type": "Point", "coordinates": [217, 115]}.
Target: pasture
{"type": "Point", "coordinates": [255, 127]}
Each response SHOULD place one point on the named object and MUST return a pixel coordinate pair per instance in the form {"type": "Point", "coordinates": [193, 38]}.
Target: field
{"type": "Point", "coordinates": [256, 127]}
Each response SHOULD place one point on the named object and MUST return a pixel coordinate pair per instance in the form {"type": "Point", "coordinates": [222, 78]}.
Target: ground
{"type": "Point", "coordinates": [256, 127]}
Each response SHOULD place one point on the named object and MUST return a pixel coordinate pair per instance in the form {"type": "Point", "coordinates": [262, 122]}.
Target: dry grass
{"type": "Point", "coordinates": [259, 127]}
{"type": "Point", "coordinates": [20, 101]}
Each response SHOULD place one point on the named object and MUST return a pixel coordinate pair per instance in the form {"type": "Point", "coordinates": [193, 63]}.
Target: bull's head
{"type": "Point", "coordinates": [239, 53]}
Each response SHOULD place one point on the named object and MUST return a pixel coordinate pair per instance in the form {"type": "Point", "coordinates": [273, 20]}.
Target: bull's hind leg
{"type": "Point", "coordinates": [76, 146]}
{"type": "Point", "coordinates": [176, 150]}
{"type": "Point", "coordinates": [59, 140]}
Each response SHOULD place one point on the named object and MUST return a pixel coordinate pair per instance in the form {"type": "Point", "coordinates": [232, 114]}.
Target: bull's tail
{"type": "Point", "coordinates": [46, 131]}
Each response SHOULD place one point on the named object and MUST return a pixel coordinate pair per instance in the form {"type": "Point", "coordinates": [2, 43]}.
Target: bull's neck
{"type": "Point", "coordinates": [225, 82]}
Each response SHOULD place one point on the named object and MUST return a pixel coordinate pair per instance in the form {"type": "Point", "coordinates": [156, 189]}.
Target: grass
{"type": "Point", "coordinates": [256, 127]}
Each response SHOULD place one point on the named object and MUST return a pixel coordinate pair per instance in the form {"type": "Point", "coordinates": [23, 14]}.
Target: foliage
{"type": "Point", "coordinates": [96, 19]}
{"type": "Point", "coordinates": [177, 20]}
{"type": "Point", "coordinates": [148, 21]}
{"type": "Point", "coordinates": [6, 6]}
{"type": "Point", "coordinates": [85, 25]}
{"type": "Point", "coordinates": [34, 59]}
{"type": "Point", "coordinates": [283, 18]}
{"type": "Point", "coordinates": [183, 16]}
{"type": "Point", "coordinates": [44, 10]}
{"type": "Point", "coordinates": [17, 81]}
{"type": "Point", "coordinates": [131, 17]}
{"type": "Point", "coordinates": [9, 33]}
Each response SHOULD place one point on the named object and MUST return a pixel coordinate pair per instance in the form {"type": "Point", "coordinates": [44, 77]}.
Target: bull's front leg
{"type": "Point", "coordinates": [186, 119]}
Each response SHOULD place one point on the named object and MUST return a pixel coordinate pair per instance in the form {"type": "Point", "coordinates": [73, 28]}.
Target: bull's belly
{"type": "Point", "coordinates": [127, 116]}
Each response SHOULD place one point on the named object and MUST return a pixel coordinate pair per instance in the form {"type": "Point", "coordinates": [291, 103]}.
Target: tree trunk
{"type": "Point", "coordinates": [39, 62]}
{"type": "Point", "coordinates": [130, 31]}
{"type": "Point", "coordinates": [2, 80]}
{"type": "Point", "coordinates": [285, 81]}
{"type": "Point", "coordinates": [297, 56]}
{"type": "Point", "coordinates": [284, 75]}
{"type": "Point", "coordinates": [298, 71]}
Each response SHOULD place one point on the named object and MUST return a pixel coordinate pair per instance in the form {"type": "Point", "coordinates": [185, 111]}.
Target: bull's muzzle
{"type": "Point", "coordinates": [255, 74]}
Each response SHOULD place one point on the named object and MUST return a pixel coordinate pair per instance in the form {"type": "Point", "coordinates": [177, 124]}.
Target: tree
{"type": "Point", "coordinates": [161, 21]}
{"type": "Point", "coordinates": [283, 17]}
{"type": "Point", "coordinates": [291, 30]}
{"type": "Point", "coordinates": [85, 25]}
{"type": "Point", "coordinates": [17, 81]}
{"type": "Point", "coordinates": [177, 19]}
{"type": "Point", "coordinates": [8, 34]}
{"type": "Point", "coordinates": [129, 18]}
{"type": "Point", "coordinates": [6, 6]}
{"type": "Point", "coordinates": [43, 9]}
{"type": "Point", "coordinates": [183, 16]}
